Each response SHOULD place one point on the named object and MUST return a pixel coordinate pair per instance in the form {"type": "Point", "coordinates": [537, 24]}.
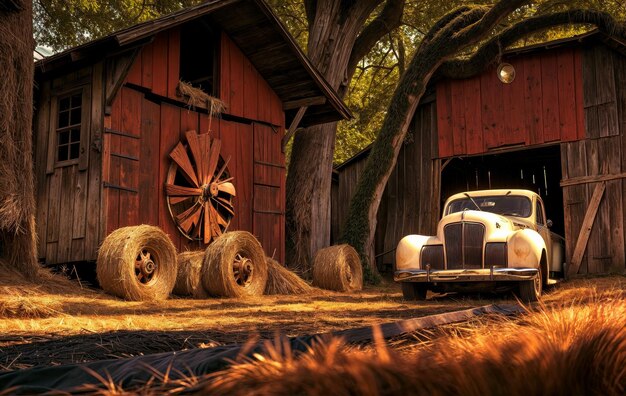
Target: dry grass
{"type": "Point", "coordinates": [577, 318]}
{"type": "Point", "coordinates": [282, 281]}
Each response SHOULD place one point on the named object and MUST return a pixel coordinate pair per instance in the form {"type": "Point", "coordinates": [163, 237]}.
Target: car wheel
{"type": "Point", "coordinates": [530, 290]}
{"type": "Point", "coordinates": [414, 291]}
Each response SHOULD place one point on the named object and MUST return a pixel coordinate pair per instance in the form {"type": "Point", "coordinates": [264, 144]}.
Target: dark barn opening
{"type": "Point", "coordinates": [536, 169]}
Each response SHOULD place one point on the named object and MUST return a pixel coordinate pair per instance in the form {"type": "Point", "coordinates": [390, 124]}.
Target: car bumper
{"type": "Point", "coordinates": [466, 275]}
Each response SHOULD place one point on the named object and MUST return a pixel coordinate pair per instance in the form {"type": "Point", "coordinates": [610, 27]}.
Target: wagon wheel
{"type": "Point", "coordinates": [199, 189]}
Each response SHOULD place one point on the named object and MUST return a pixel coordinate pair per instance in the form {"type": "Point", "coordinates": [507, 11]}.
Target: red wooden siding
{"type": "Point", "coordinates": [543, 104]}
{"type": "Point", "coordinates": [138, 163]}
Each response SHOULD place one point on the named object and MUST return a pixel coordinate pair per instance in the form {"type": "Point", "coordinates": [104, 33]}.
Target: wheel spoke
{"type": "Point", "coordinates": [207, 223]}
{"type": "Point", "coordinates": [180, 191]}
{"type": "Point", "coordinates": [191, 219]}
{"type": "Point", "coordinates": [222, 169]}
{"type": "Point", "coordinates": [214, 156]}
{"type": "Point", "coordinates": [196, 153]}
{"type": "Point", "coordinates": [181, 158]}
{"type": "Point", "coordinates": [228, 188]}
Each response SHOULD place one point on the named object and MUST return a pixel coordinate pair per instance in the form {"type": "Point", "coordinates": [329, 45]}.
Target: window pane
{"type": "Point", "coordinates": [64, 137]}
{"type": "Point", "coordinates": [64, 119]}
{"type": "Point", "coordinates": [64, 104]}
{"type": "Point", "coordinates": [75, 117]}
{"type": "Point", "coordinates": [62, 153]}
{"type": "Point", "coordinates": [74, 150]}
{"type": "Point", "coordinates": [76, 100]}
{"type": "Point", "coordinates": [75, 135]}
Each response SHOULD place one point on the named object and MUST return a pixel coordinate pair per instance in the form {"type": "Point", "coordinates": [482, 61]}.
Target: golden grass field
{"type": "Point", "coordinates": [574, 342]}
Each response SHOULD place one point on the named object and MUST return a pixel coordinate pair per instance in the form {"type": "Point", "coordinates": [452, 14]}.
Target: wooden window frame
{"type": "Point", "coordinates": [83, 153]}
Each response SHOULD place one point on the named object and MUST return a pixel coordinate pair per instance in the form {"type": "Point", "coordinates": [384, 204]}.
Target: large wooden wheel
{"type": "Point", "coordinates": [199, 189]}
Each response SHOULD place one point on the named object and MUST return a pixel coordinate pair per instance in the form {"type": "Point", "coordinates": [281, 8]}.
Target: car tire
{"type": "Point", "coordinates": [530, 290]}
{"type": "Point", "coordinates": [414, 291]}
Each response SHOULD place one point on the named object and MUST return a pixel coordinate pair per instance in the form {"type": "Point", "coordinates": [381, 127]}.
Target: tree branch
{"type": "Point", "coordinates": [492, 49]}
{"type": "Point", "coordinates": [389, 18]}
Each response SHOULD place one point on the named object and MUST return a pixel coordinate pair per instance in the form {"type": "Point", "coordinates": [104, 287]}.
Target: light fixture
{"type": "Point", "coordinates": [506, 73]}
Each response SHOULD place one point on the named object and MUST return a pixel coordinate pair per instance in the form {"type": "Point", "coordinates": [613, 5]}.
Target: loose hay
{"type": "Point", "coordinates": [117, 257]}
{"type": "Point", "coordinates": [338, 268]}
{"type": "Point", "coordinates": [196, 97]}
{"type": "Point", "coordinates": [188, 282]}
{"type": "Point", "coordinates": [282, 281]}
{"type": "Point", "coordinates": [219, 269]}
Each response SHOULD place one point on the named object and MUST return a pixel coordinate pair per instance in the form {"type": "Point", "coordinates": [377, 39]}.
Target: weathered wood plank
{"type": "Point", "coordinates": [489, 88]}
{"type": "Point", "coordinates": [224, 93]}
{"type": "Point", "coordinates": [147, 57]}
{"type": "Point", "coordinates": [42, 129]}
{"type": "Point", "coordinates": [173, 62]}
{"type": "Point", "coordinates": [94, 189]}
{"type": "Point", "coordinates": [533, 102]}
{"type": "Point", "coordinates": [550, 93]}
{"type": "Point", "coordinates": [444, 119]}
{"type": "Point", "coordinates": [567, 96]}
{"type": "Point", "coordinates": [66, 212]}
{"type": "Point", "coordinates": [169, 133]}
{"type": "Point", "coordinates": [590, 215]}
{"type": "Point", "coordinates": [458, 118]}
{"type": "Point", "coordinates": [160, 64]}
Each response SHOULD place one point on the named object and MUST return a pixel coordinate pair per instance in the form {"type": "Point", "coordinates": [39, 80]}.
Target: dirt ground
{"type": "Point", "coordinates": [58, 321]}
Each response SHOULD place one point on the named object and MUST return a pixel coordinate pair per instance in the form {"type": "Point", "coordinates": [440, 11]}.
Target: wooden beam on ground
{"type": "Point", "coordinates": [298, 103]}
{"type": "Point", "coordinates": [591, 179]}
{"type": "Point", "coordinates": [293, 127]}
{"type": "Point", "coordinates": [585, 229]}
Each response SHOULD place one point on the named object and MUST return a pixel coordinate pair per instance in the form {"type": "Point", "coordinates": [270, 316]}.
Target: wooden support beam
{"type": "Point", "coordinates": [591, 179]}
{"type": "Point", "coordinates": [306, 102]}
{"type": "Point", "coordinates": [292, 128]}
{"type": "Point", "coordinates": [585, 229]}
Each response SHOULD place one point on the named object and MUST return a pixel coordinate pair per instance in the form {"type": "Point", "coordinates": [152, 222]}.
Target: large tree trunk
{"type": "Point", "coordinates": [17, 201]}
{"type": "Point", "coordinates": [334, 47]}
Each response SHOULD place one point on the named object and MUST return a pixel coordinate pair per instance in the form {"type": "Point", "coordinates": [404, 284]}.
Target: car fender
{"type": "Point", "coordinates": [409, 250]}
{"type": "Point", "coordinates": [525, 248]}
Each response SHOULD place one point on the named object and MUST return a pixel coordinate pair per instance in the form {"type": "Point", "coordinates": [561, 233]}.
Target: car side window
{"type": "Point", "coordinates": [539, 210]}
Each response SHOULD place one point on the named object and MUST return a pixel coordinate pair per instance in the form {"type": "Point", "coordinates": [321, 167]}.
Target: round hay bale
{"type": "Point", "coordinates": [137, 263]}
{"type": "Point", "coordinates": [234, 266]}
{"type": "Point", "coordinates": [280, 280]}
{"type": "Point", "coordinates": [188, 281]}
{"type": "Point", "coordinates": [338, 268]}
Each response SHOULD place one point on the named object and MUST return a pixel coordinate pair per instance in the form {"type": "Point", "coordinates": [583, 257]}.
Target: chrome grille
{"type": "Point", "coordinates": [433, 255]}
{"type": "Point", "coordinates": [464, 245]}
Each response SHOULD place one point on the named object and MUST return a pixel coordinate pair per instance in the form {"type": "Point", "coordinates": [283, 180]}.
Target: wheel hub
{"type": "Point", "coordinates": [145, 267]}
{"type": "Point", "coordinates": [243, 270]}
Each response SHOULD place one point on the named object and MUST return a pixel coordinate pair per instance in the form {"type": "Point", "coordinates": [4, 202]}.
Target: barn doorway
{"type": "Point", "coordinates": [536, 169]}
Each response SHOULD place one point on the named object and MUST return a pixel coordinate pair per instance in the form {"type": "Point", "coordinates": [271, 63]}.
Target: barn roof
{"type": "Point", "coordinates": [259, 34]}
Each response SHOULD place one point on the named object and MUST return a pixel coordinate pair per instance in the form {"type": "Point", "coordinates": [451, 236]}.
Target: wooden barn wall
{"type": "Point", "coordinates": [68, 197]}
{"type": "Point", "coordinates": [410, 203]}
{"type": "Point", "coordinates": [151, 120]}
{"type": "Point", "coordinates": [600, 154]}
{"type": "Point", "coordinates": [543, 104]}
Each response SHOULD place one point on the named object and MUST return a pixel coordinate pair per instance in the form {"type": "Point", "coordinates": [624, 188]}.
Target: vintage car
{"type": "Point", "coordinates": [490, 239]}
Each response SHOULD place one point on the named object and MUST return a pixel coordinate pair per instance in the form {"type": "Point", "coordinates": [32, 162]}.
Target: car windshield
{"type": "Point", "coordinates": [507, 205]}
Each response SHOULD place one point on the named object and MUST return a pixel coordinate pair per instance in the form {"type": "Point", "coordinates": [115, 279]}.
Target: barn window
{"type": "Point", "coordinates": [68, 126]}
{"type": "Point", "coordinates": [198, 56]}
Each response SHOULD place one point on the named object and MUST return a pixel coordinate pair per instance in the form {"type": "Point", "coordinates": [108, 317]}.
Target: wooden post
{"type": "Point", "coordinates": [293, 127]}
{"type": "Point", "coordinates": [585, 229]}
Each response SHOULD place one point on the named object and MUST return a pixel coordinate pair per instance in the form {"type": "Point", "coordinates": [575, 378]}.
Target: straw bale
{"type": "Point", "coordinates": [218, 272]}
{"type": "Point", "coordinates": [196, 97]}
{"type": "Point", "coordinates": [188, 282]}
{"type": "Point", "coordinates": [282, 281]}
{"type": "Point", "coordinates": [338, 268]}
{"type": "Point", "coordinates": [117, 257]}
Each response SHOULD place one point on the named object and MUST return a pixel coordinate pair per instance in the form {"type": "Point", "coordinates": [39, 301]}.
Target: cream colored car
{"type": "Point", "coordinates": [490, 239]}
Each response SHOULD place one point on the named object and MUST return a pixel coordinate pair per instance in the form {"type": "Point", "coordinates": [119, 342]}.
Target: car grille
{"type": "Point", "coordinates": [433, 255]}
{"type": "Point", "coordinates": [464, 245]}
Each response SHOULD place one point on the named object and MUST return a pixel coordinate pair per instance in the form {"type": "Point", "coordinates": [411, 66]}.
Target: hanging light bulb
{"type": "Point", "coordinates": [506, 73]}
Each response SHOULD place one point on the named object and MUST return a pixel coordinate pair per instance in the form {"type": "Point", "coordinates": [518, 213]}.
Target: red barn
{"type": "Point", "coordinates": [118, 144]}
{"type": "Point", "coordinates": [558, 128]}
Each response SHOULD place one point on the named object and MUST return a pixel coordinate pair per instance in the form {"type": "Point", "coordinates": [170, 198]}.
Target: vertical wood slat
{"type": "Point", "coordinates": [224, 76]}
{"type": "Point", "coordinates": [129, 147]}
{"type": "Point", "coordinates": [444, 120]}
{"type": "Point", "coordinates": [513, 108]}
{"type": "Point", "coordinates": [473, 117]}
{"type": "Point", "coordinates": [135, 73]}
{"type": "Point", "coordinates": [491, 106]}
{"type": "Point", "coordinates": [550, 94]}
{"type": "Point", "coordinates": [236, 76]}
{"type": "Point", "coordinates": [533, 102]}
{"type": "Point", "coordinates": [173, 62]}
{"type": "Point", "coordinates": [458, 118]}
{"type": "Point", "coordinates": [41, 151]}
{"type": "Point", "coordinates": [147, 56]}
{"type": "Point", "coordinates": [149, 186]}
{"type": "Point", "coordinates": [250, 77]}
{"type": "Point", "coordinates": [68, 183]}
{"type": "Point", "coordinates": [170, 123]}
{"type": "Point", "coordinates": [567, 96]}
{"type": "Point", "coordinates": [113, 171]}
{"type": "Point", "coordinates": [160, 64]}
{"type": "Point", "coordinates": [94, 186]}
